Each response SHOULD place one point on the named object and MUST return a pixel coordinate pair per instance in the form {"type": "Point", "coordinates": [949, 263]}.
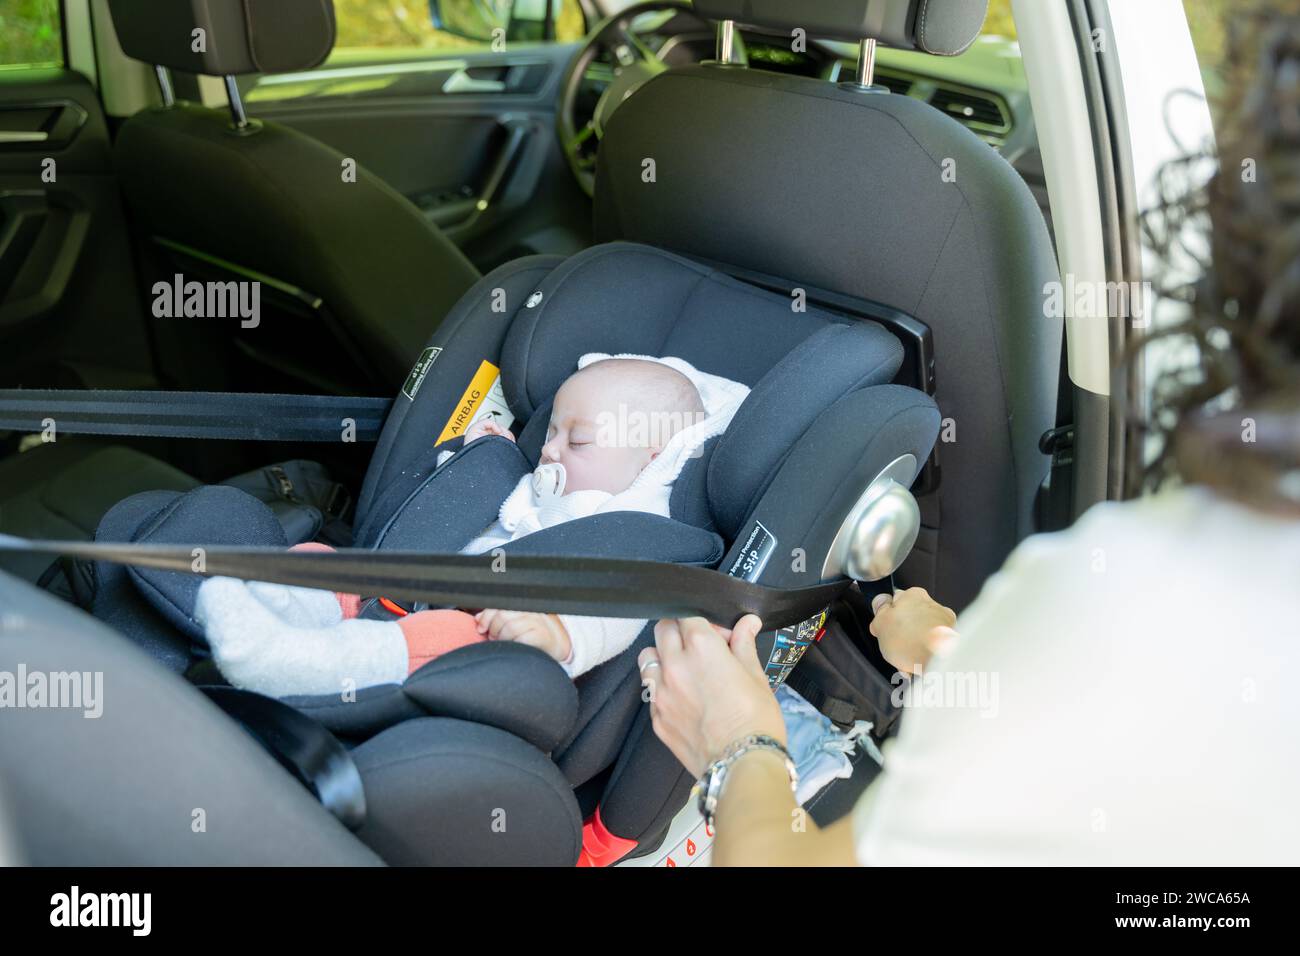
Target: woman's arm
{"type": "Point", "coordinates": [759, 823]}
{"type": "Point", "coordinates": [708, 690]}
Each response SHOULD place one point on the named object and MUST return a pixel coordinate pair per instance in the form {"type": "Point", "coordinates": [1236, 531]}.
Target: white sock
{"type": "Point", "coordinates": [258, 649]}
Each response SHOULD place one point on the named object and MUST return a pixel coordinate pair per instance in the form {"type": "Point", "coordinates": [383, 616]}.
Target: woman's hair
{"type": "Point", "coordinates": [1231, 419]}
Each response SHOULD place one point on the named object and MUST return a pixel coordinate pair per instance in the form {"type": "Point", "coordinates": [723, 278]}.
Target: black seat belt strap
{"type": "Point", "coordinates": [600, 587]}
{"type": "Point", "coordinates": [224, 415]}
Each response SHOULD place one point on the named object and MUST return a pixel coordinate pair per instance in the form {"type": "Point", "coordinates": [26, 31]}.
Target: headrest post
{"type": "Point", "coordinates": [165, 85]}
{"type": "Point", "coordinates": [726, 42]}
{"type": "Point", "coordinates": [864, 76]}
{"type": "Point", "coordinates": [866, 62]}
{"type": "Point", "coordinates": [236, 104]}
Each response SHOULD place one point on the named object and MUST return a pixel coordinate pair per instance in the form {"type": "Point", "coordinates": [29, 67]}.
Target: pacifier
{"type": "Point", "coordinates": [548, 481]}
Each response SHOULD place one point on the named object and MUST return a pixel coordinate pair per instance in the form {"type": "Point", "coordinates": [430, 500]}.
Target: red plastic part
{"type": "Point", "coordinates": [396, 609]}
{"type": "Point", "coordinates": [599, 846]}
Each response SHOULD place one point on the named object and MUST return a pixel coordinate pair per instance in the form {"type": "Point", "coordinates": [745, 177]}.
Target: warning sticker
{"type": "Point", "coordinates": [789, 647]}
{"type": "Point", "coordinates": [418, 371]}
{"type": "Point", "coordinates": [484, 398]}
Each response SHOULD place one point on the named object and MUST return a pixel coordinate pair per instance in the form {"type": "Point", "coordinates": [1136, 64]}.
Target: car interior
{"type": "Point", "coordinates": [681, 180]}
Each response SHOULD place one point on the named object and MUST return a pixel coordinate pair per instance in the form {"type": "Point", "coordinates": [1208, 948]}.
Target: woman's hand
{"type": "Point", "coordinates": [707, 688]}
{"type": "Point", "coordinates": [911, 626]}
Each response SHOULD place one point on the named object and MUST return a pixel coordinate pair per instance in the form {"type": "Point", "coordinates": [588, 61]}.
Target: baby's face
{"type": "Point", "coordinates": [592, 462]}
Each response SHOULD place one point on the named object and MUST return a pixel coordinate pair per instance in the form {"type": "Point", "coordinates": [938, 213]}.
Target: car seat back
{"type": "Point", "coordinates": [217, 200]}
{"type": "Point", "coordinates": [157, 777]}
{"type": "Point", "coordinates": [870, 200]}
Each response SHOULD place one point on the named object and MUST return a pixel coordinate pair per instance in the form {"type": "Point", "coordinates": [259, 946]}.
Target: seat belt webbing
{"type": "Point", "coordinates": [600, 587]}
{"type": "Point", "coordinates": [223, 415]}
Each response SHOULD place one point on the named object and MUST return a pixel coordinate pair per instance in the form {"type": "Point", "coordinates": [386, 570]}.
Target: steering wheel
{"type": "Point", "coordinates": [634, 64]}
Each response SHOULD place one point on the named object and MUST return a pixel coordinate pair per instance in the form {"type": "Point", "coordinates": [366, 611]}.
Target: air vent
{"type": "Point", "coordinates": [984, 115]}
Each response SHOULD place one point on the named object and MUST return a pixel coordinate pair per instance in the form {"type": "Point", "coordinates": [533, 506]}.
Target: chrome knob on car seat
{"type": "Point", "coordinates": [880, 529]}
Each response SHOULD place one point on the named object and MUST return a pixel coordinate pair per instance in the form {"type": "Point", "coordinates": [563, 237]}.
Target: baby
{"type": "Point", "coordinates": [610, 422]}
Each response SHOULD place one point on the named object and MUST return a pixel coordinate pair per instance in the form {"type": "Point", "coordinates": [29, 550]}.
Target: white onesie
{"type": "Point", "coordinates": [533, 505]}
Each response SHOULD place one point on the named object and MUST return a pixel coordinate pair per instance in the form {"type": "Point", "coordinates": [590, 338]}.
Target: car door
{"type": "Point", "coordinates": [463, 127]}
{"type": "Point", "coordinates": [69, 308]}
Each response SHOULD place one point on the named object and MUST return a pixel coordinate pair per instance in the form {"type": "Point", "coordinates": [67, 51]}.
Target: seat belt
{"type": "Point", "coordinates": [1054, 504]}
{"type": "Point", "coordinates": [223, 415]}
{"type": "Point", "coordinates": [598, 587]}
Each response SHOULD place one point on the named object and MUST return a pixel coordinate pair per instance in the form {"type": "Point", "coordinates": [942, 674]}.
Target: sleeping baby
{"type": "Point", "coordinates": [621, 428]}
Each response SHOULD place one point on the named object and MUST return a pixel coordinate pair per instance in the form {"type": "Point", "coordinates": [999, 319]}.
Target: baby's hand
{"type": "Point", "coordinates": [486, 426]}
{"type": "Point", "coordinates": [546, 632]}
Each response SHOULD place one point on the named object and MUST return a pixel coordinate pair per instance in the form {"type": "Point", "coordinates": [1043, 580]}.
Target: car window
{"type": "Point", "coordinates": [30, 34]}
{"type": "Point", "coordinates": [999, 21]}
{"type": "Point", "coordinates": [1207, 19]}
{"type": "Point", "coordinates": [375, 30]}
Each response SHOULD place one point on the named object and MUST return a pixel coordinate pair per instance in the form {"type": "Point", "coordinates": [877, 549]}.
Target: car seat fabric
{"type": "Point", "coordinates": [123, 789]}
{"type": "Point", "coordinates": [246, 36]}
{"type": "Point", "coordinates": [968, 254]}
{"type": "Point", "coordinates": [382, 271]}
{"type": "Point", "coordinates": [61, 489]}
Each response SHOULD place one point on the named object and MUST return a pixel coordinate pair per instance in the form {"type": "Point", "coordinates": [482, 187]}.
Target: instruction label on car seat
{"type": "Point", "coordinates": [418, 371]}
{"type": "Point", "coordinates": [483, 398]}
{"type": "Point", "coordinates": [789, 647]}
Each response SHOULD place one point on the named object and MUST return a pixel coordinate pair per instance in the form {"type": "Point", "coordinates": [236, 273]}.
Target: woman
{"type": "Point", "coordinates": [1144, 659]}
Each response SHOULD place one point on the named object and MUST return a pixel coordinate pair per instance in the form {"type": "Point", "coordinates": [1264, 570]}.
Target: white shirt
{"type": "Point", "coordinates": [1140, 702]}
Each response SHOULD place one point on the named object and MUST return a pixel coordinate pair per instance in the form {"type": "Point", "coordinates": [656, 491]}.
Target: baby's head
{"type": "Point", "coordinates": [613, 418]}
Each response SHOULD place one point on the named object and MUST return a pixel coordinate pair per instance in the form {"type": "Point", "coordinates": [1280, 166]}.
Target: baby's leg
{"type": "Point", "coordinates": [430, 634]}
{"type": "Point", "coordinates": [349, 604]}
{"type": "Point", "coordinates": [279, 641]}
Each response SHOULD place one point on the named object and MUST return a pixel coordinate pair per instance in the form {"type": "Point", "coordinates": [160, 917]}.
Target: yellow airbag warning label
{"type": "Point", "coordinates": [483, 398]}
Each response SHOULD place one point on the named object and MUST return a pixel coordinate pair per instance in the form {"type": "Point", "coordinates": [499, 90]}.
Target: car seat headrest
{"type": "Point", "coordinates": [877, 221]}
{"type": "Point", "coordinates": [834, 361]}
{"type": "Point", "coordinates": [238, 36]}
{"type": "Point", "coordinates": [624, 298]}
{"type": "Point", "coordinates": [941, 27]}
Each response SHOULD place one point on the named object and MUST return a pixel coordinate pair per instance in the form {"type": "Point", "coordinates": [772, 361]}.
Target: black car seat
{"type": "Point", "coordinates": [766, 502]}
{"type": "Point", "coordinates": [881, 199]}
{"type": "Point", "coordinates": [216, 197]}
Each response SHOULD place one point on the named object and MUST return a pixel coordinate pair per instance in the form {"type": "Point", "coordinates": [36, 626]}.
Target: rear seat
{"type": "Point", "coordinates": [61, 489]}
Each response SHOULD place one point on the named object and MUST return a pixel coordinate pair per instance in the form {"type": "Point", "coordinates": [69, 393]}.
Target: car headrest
{"type": "Point", "coordinates": [238, 36]}
{"type": "Point", "coordinates": [941, 27]}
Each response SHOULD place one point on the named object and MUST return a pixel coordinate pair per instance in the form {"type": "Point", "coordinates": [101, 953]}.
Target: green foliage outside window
{"type": "Point", "coordinates": [29, 32]}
